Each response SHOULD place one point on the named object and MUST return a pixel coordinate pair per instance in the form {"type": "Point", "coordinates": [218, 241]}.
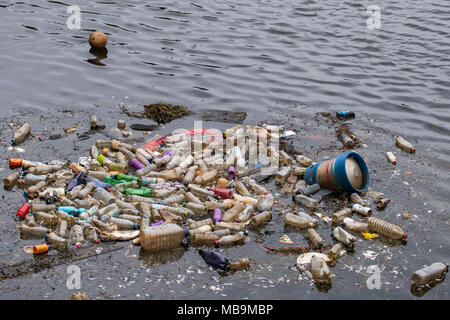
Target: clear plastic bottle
{"type": "Point", "coordinates": [391, 157]}
{"type": "Point", "coordinates": [11, 180]}
{"type": "Point", "coordinates": [365, 211]}
{"type": "Point", "coordinates": [191, 224]}
{"type": "Point", "coordinates": [57, 241]}
{"type": "Point", "coordinates": [241, 189]}
{"type": "Point", "coordinates": [41, 169]}
{"type": "Point", "coordinates": [90, 234]}
{"type": "Point", "coordinates": [86, 191]}
{"type": "Point", "coordinates": [206, 177]}
{"type": "Point", "coordinates": [320, 270]}
{"type": "Point", "coordinates": [401, 143]}
{"type": "Point", "coordinates": [303, 161]}
{"type": "Point", "coordinates": [202, 229]}
{"type": "Point", "coordinates": [231, 239]}
{"type": "Point", "coordinates": [261, 218]}
{"type": "Point", "coordinates": [282, 175]}
{"type": "Point", "coordinates": [63, 229]}
{"type": "Point", "coordinates": [190, 174]}
{"type": "Point", "coordinates": [33, 190]}
{"type": "Point", "coordinates": [174, 199]}
{"type": "Point", "coordinates": [77, 235]}
{"type": "Point", "coordinates": [190, 197]}
{"type": "Point", "coordinates": [29, 220]}
{"type": "Point", "coordinates": [256, 187]}
{"type": "Point", "coordinates": [43, 207]}
{"type": "Point", "coordinates": [339, 216]}
{"type": "Point", "coordinates": [385, 228]}
{"type": "Point", "coordinates": [430, 274]}
{"type": "Point", "coordinates": [146, 170]}
{"type": "Point", "coordinates": [200, 191]}
{"type": "Point", "coordinates": [305, 201]}
{"type": "Point", "coordinates": [20, 134]}
{"type": "Point", "coordinates": [130, 217]}
{"type": "Point", "coordinates": [233, 213]}
{"type": "Point", "coordinates": [265, 203]}
{"type": "Point", "coordinates": [204, 239]}
{"type": "Point", "coordinates": [30, 179]}
{"type": "Point", "coordinates": [242, 264]}
{"type": "Point", "coordinates": [65, 216]}
{"type": "Point", "coordinates": [285, 158]}
{"type": "Point", "coordinates": [246, 214]}
{"type": "Point", "coordinates": [165, 236]}
{"type": "Point", "coordinates": [45, 218]}
{"type": "Point", "coordinates": [315, 238]}
{"type": "Point", "coordinates": [298, 221]}
{"type": "Point", "coordinates": [344, 237]}
{"type": "Point", "coordinates": [335, 252]}
{"type": "Point", "coordinates": [220, 233]}
{"type": "Point", "coordinates": [103, 195]}
{"type": "Point", "coordinates": [355, 198]}
{"type": "Point", "coordinates": [355, 226]}
{"type": "Point", "coordinates": [33, 231]}
{"type": "Point", "coordinates": [124, 224]}
{"type": "Point", "coordinates": [89, 213]}
{"type": "Point", "coordinates": [100, 224]}
{"type": "Point", "coordinates": [346, 140]}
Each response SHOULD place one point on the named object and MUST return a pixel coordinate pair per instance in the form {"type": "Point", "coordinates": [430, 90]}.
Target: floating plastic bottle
{"type": "Point", "coordinates": [242, 264]}
{"type": "Point", "coordinates": [143, 192]}
{"type": "Point", "coordinates": [246, 214]}
{"type": "Point", "coordinates": [430, 274]}
{"type": "Point", "coordinates": [20, 134]}
{"type": "Point", "coordinates": [261, 218]}
{"type": "Point", "coordinates": [266, 203]}
{"type": "Point", "coordinates": [65, 216]}
{"type": "Point", "coordinates": [204, 239]}
{"type": "Point", "coordinates": [197, 208]}
{"type": "Point", "coordinates": [315, 238]}
{"type": "Point", "coordinates": [401, 143]}
{"type": "Point", "coordinates": [233, 213]}
{"type": "Point", "coordinates": [309, 190]}
{"type": "Point", "coordinates": [355, 198]}
{"type": "Point", "coordinates": [33, 231]}
{"type": "Point", "coordinates": [365, 211]}
{"type": "Point", "coordinates": [344, 237]}
{"type": "Point", "coordinates": [285, 158]}
{"type": "Point", "coordinates": [305, 201]}
{"type": "Point", "coordinates": [77, 235]}
{"type": "Point", "coordinates": [282, 175]}
{"type": "Point", "coordinates": [335, 252]}
{"type": "Point", "coordinates": [345, 114]}
{"type": "Point", "coordinates": [385, 228]}
{"type": "Point", "coordinates": [303, 161]}
{"type": "Point", "coordinates": [57, 241]}
{"type": "Point", "coordinates": [11, 180]}
{"type": "Point", "coordinates": [89, 213]}
{"type": "Point", "coordinates": [231, 239]}
{"type": "Point", "coordinates": [391, 158]}
{"type": "Point", "coordinates": [23, 211]}
{"type": "Point", "coordinates": [100, 224]}
{"type": "Point", "coordinates": [45, 218]}
{"type": "Point", "coordinates": [339, 216]}
{"type": "Point", "coordinates": [161, 237]}
{"type": "Point", "coordinates": [355, 226]}
{"type": "Point", "coordinates": [241, 189]}
{"type": "Point", "coordinates": [29, 220]}
{"type": "Point", "coordinates": [299, 222]}
{"type": "Point", "coordinates": [382, 203]}
{"type": "Point", "coordinates": [124, 224]}
{"type": "Point", "coordinates": [41, 248]}
{"type": "Point", "coordinates": [320, 270]}
{"type": "Point", "coordinates": [103, 195]}
{"type": "Point", "coordinates": [256, 187]}
{"type": "Point", "coordinates": [63, 229]}
{"type": "Point", "coordinates": [346, 140]}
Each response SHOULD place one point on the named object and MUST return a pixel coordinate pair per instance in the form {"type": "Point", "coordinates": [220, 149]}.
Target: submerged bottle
{"type": "Point", "coordinates": [385, 228]}
{"type": "Point", "coordinates": [335, 252]}
{"type": "Point", "coordinates": [161, 237]}
{"type": "Point", "coordinates": [429, 274]}
{"type": "Point", "coordinates": [11, 180]}
{"type": "Point", "coordinates": [320, 270]}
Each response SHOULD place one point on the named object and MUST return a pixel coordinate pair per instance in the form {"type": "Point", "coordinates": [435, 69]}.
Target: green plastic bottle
{"type": "Point", "coordinates": [143, 192]}
{"type": "Point", "coordinates": [126, 177]}
{"type": "Point", "coordinates": [112, 181]}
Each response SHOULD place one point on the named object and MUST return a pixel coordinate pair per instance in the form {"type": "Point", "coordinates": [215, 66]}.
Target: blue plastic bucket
{"type": "Point", "coordinates": [348, 172]}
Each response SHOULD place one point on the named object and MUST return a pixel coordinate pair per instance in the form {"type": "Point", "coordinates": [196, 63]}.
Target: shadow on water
{"type": "Point", "coordinates": [163, 257]}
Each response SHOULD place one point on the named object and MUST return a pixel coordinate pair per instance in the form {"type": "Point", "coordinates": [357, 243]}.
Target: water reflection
{"type": "Point", "coordinates": [156, 258]}
{"type": "Point", "coordinates": [100, 54]}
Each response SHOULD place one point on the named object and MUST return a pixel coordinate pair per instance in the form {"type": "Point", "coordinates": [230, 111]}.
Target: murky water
{"type": "Point", "coordinates": [280, 61]}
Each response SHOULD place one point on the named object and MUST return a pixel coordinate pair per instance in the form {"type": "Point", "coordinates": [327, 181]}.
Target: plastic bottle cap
{"type": "Point", "coordinates": [394, 162]}
{"type": "Point", "coordinates": [97, 241]}
{"type": "Point", "coordinates": [78, 245]}
{"type": "Point", "coordinates": [405, 236]}
{"type": "Point", "coordinates": [238, 220]}
{"type": "Point", "coordinates": [216, 242]}
{"type": "Point", "coordinates": [135, 226]}
{"type": "Point", "coordinates": [413, 149]}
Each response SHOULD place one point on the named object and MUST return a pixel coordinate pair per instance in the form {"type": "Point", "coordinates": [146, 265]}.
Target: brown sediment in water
{"type": "Point", "coordinates": [159, 112]}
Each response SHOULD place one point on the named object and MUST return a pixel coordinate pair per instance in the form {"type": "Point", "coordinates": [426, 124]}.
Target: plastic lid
{"type": "Point", "coordinates": [354, 173]}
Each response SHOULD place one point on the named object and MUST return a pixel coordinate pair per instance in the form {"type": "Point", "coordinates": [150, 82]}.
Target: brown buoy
{"type": "Point", "coordinates": [98, 39]}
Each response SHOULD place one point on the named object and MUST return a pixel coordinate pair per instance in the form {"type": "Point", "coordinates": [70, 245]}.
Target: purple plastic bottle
{"type": "Point", "coordinates": [136, 164]}
{"type": "Point", "coordinates": [217, 217]}
{"type": "Point", "coordinates": [231, 172]}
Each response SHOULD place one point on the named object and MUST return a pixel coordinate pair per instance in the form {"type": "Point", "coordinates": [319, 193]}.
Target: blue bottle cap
{"type": "Point", "coordinates": [262, 210]}
{"type": "Point", "coordinates": [150, 160]}
{"type": "Point", "coordinates": [186, 232]}
{"type": "Point", "coordinates": [135, 226]}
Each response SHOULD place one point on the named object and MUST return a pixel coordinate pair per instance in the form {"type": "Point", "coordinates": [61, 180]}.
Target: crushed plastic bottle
{"type": "Point", "coordinates": [344, 237]}
{"type": "Point", "coordinates": [320, 271]}
{"type": "Point", "coordinates": [430, 274]}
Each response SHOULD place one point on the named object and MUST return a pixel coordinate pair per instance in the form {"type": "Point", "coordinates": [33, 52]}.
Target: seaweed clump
{"type": "Point", "coordinates": [164, 112]}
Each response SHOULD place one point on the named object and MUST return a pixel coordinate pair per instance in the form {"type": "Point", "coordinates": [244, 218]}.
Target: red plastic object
{"type": "Point", "coordinates": [24, 209]}
{"type": "Point", "coordinates": [223, 193]}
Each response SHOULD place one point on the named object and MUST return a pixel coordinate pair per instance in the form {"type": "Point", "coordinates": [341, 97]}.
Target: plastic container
{"type": "Point", "coordinates": [20, 134]}
{"type": "Point", "coordinates": [309, 190]}
{"type": "Point", "coordinates": [47, 219]}
{"type": "Point", "coordinates": [265, 203]}
{"type": "Point", "coordinates": [261, 218]}
{"type": "Point", "coordinates": [391, 157]}
{"type": "Point", "coordinates": [355, 226]}
{"type": "Point", "coordinates": [222, 193]}
{"type": "Point", "coordinates": [231, 239]}
{"type": "Point", "coordinates": [315, 238]}
{"type": "Point", "coordinates": [401, 143]}
{"type": "Point", "coordinates": [385, 228]}
{"type": "Point", "coordinates": [57, 241]}
{"type": "Point", "coordinates": [344, 237]}
{"type": "Point", "coordinates": [77, 235]}
{"type": "Point", "coordinates": [382, 203]}
{"type": "Point", "coordinates": [29, 220]}
{"type": "Point", "coordinates": [33, 231]}
{"type": "Point", "coordinates": [256, 187]}
{"type": "Point", "coordinates": [196, 224]}
{"type": "Point", "coordinates": [233, 213]}
{"type": "Point", "coordinates": [103, 195]}
{"type": "Point", "coordinates": [299, 222]}
{"type": "Point", "coordinates": [348, 172]}
{"type": "Point", "coordinates": [204, 239]}
{"type": "Point", "coordinates": [143, 192]}
{"type": "Point", "coordinates": [43, 207]}
{"type": "Point", "coordinates": [303, 161]}
{"type": "Point", "coordinates": [346, 140]}
{"type": "Point", "coordinates": [335, 252]}
{"type": "Point", "coordinates": [430, 274]}
{"type": "Point", "coordinates": [320, 271]}
{"type": "Point", "coordinates": [197, 208]}
{"type": "Point", "coordinates": [217, 216]}
{"type": "Point", "coordinates": [124, 224]}
{"type": "Point", "coordinates": [161, 237]}
{"type": "Point", "coordinates": [365, 211]}
{"type": "Point", "coordinates": [221, 183]}
{"type": "Point", "coordinates": [339, 216]}
{"type": "Point", "coordinates": [241, 189]}
{"type": "Point", "coordinates": [355, 198]}
{"type": "Point", "coordinates": [246, 214]}
{"type": "Point", "coordinates": [23, 211]}
{"type": "Point", "coordinates": [345, 114]}
{"type": "Point", "coordinates": [282, 175]}
{"type": "Point", "coordinates": [11, 180]}
{"type": "Point", "coordinates": [41, 248]}
{"type": "Point", "coordinates": [63, 229]}
{"type": "Point", "coordinates": [305, 201]}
